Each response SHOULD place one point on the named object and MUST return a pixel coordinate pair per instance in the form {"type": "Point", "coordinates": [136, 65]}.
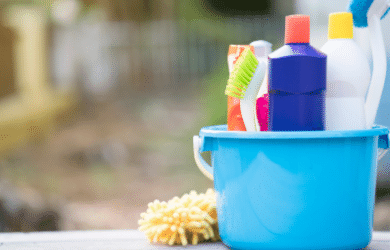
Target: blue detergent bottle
{"type": "Point", "coordinates": [297, 81]}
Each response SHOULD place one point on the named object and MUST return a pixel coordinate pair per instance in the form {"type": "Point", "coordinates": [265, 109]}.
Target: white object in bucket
{"type": "Point", "coordinates": [262, 50]}
{"type": "Point", "coordinates": [248, 102]}
{"type": "Point", "coordinates": [348, 76]}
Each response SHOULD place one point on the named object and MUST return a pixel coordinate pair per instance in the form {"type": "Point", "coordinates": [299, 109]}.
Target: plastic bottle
{"type": "Point", "coordinates": [348, 76]}
{"type": "Point", "coordinates": [234, 116]}
{"type": "Point", "coordinates": [262, 50]}
{"type": "Point", "coordinates": [297, 81]}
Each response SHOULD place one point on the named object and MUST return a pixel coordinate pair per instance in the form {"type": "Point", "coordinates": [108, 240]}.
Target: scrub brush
{"type": "Point", "coordinates": [244, 83]}
{"type": "Point", "coordinates": [191, 218]}
{"type": "Point", "coordinates": [368, 13]}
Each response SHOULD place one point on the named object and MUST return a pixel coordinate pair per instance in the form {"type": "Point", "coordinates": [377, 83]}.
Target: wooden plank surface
{"type": "Point", "coordinates": [90, 240]}
{"type": "Point", "coordinates": [118, 240]}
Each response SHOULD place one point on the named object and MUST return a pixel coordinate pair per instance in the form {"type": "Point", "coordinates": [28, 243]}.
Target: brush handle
{"type": "Point", "coordinates": [248, 102]}
{"type": "Point", "coordinates": [379, 70]}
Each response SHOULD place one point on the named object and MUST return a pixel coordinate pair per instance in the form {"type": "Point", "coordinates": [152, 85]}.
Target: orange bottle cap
{"type": "Point", "coordinates": [297, 29]}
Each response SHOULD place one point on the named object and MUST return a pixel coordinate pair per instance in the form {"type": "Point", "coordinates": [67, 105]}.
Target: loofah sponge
{"type": "Point", "coordinates": [191, 218]}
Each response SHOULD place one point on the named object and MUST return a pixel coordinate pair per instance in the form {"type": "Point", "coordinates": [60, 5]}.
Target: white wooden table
{"type": "Point", "coordinates": [117, 240]}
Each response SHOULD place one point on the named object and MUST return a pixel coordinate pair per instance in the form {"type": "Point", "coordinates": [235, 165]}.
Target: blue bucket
{"type": "Point", "coordinates": [293, 190]}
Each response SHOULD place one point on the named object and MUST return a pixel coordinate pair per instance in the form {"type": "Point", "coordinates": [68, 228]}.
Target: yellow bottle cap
{"type": "Point", "coordinates": [340, 25]}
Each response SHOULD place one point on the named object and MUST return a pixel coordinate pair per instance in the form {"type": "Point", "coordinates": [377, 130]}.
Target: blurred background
{"type": "Point", "coordinates": [99, 101]}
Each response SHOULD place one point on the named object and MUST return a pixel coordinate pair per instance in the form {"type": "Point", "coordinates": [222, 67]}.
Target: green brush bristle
{"type": "Point", "coordinates": [242, 74]}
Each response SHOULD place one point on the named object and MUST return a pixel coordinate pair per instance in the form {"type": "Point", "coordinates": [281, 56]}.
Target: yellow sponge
{"type": "Point", "coordinates": [192, 217]}
{"type": "Point", "coordinates": [340, 25]}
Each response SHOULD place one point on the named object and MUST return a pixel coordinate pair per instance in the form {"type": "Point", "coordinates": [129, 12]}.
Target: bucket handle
{"type": "Point", "coordinates": [382, 152]}
{"type": "Point", "coordinates": [383, 146]}
{"type": "Point", "coordinates": [204, 167]}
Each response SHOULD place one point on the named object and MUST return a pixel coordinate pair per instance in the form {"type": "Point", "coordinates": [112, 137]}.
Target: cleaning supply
{"type": "Point", "coordinates": [234, 117]}
{"type": "Point", "coordinates": [262, 110]}
{"type": "Point", "coordinates": [301, 190]}
{"type": "Point", "coordinates": [191, 218]}
{"type": "Point", "coordinates": [348, 76]}
{"type": "Point", "coordinates": [244, 83]}
{"type": "Point", "coordinates": [368, 13]}
{"type": "Point", "coordinates": [262, 50]}
{"type": "Point", "coordinates": [297, 81]}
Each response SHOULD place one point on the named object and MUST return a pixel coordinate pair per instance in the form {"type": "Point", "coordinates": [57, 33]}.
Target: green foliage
{"type": "Point", "coordinates": [214, 100]}
{"type": "Point", "coordinates": [195, 9]}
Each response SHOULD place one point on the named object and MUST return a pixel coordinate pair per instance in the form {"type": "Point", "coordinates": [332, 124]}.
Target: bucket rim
{"type": "Point", "coordinates": [220, 131]}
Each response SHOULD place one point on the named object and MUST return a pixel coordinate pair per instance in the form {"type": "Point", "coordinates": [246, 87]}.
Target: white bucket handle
{"type": "Point", "coordinates": [381, 153]}
{"type": "Point", "coordinates": [204, 167]}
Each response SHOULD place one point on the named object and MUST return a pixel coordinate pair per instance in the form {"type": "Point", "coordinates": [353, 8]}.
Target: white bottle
{"type": "Point", "coordinates": [348, 76]}
{"type": "Point", "coordinates": [262, 50]}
